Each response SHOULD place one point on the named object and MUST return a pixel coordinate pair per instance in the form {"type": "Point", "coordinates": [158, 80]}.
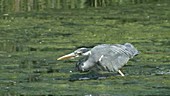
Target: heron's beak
{"type": "Point", "coordinates": [68, 56]}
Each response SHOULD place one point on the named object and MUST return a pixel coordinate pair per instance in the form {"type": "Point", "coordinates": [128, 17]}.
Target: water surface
{"type": "Point", "coordinates": [31, 42]}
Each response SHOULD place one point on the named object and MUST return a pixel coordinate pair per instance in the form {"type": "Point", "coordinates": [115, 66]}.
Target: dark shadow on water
{"type": "Point", "coordinates": [90, 76]}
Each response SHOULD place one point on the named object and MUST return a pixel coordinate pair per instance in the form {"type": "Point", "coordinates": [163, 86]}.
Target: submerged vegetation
{"type": "Point", "coordinates": [31, 41]}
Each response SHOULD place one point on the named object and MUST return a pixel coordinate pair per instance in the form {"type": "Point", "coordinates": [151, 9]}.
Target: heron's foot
{"type": "Point", "coordinates": [120, 72]}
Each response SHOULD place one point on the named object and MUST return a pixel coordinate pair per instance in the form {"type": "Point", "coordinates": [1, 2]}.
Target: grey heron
{"type": "Point", "coordinates": [109, 57]}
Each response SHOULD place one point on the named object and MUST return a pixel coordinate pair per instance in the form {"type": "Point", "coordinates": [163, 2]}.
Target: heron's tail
{"type": "Point", "coordinates": [130, 48]}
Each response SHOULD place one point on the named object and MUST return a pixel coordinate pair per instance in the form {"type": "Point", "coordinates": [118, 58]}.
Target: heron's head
{"type": "Point", "coordinates": [79, 52]}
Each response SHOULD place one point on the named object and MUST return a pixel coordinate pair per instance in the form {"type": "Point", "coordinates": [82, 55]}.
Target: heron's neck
{"type": "Point", "coordinates": [87, 53]}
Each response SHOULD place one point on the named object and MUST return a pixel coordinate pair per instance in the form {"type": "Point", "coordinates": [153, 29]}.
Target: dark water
{"type": "Point", "coordinates": [31, 42]}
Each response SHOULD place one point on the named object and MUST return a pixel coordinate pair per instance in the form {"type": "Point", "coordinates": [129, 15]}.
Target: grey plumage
{"type": "Point", "coordinates": [113, 56]}
{"type": "Point", "coordinates": [106, 56]}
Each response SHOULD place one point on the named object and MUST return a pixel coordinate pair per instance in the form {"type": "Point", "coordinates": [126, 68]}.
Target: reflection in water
{"type": "Point", "coordinates": [8, 46]}
{"type": "Point", "coordinates": [11, 46]}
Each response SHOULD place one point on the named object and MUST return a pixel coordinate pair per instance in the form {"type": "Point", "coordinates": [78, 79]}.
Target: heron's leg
{"type": "Point", "coordinates": [120, 72]}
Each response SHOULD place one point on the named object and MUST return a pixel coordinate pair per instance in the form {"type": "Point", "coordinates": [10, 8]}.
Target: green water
{"type": "Point", "coordinates": [31, 42]}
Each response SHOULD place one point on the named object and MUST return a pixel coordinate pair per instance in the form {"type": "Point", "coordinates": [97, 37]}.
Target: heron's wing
{"type": "Point", "coordinates": [114, 60]}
